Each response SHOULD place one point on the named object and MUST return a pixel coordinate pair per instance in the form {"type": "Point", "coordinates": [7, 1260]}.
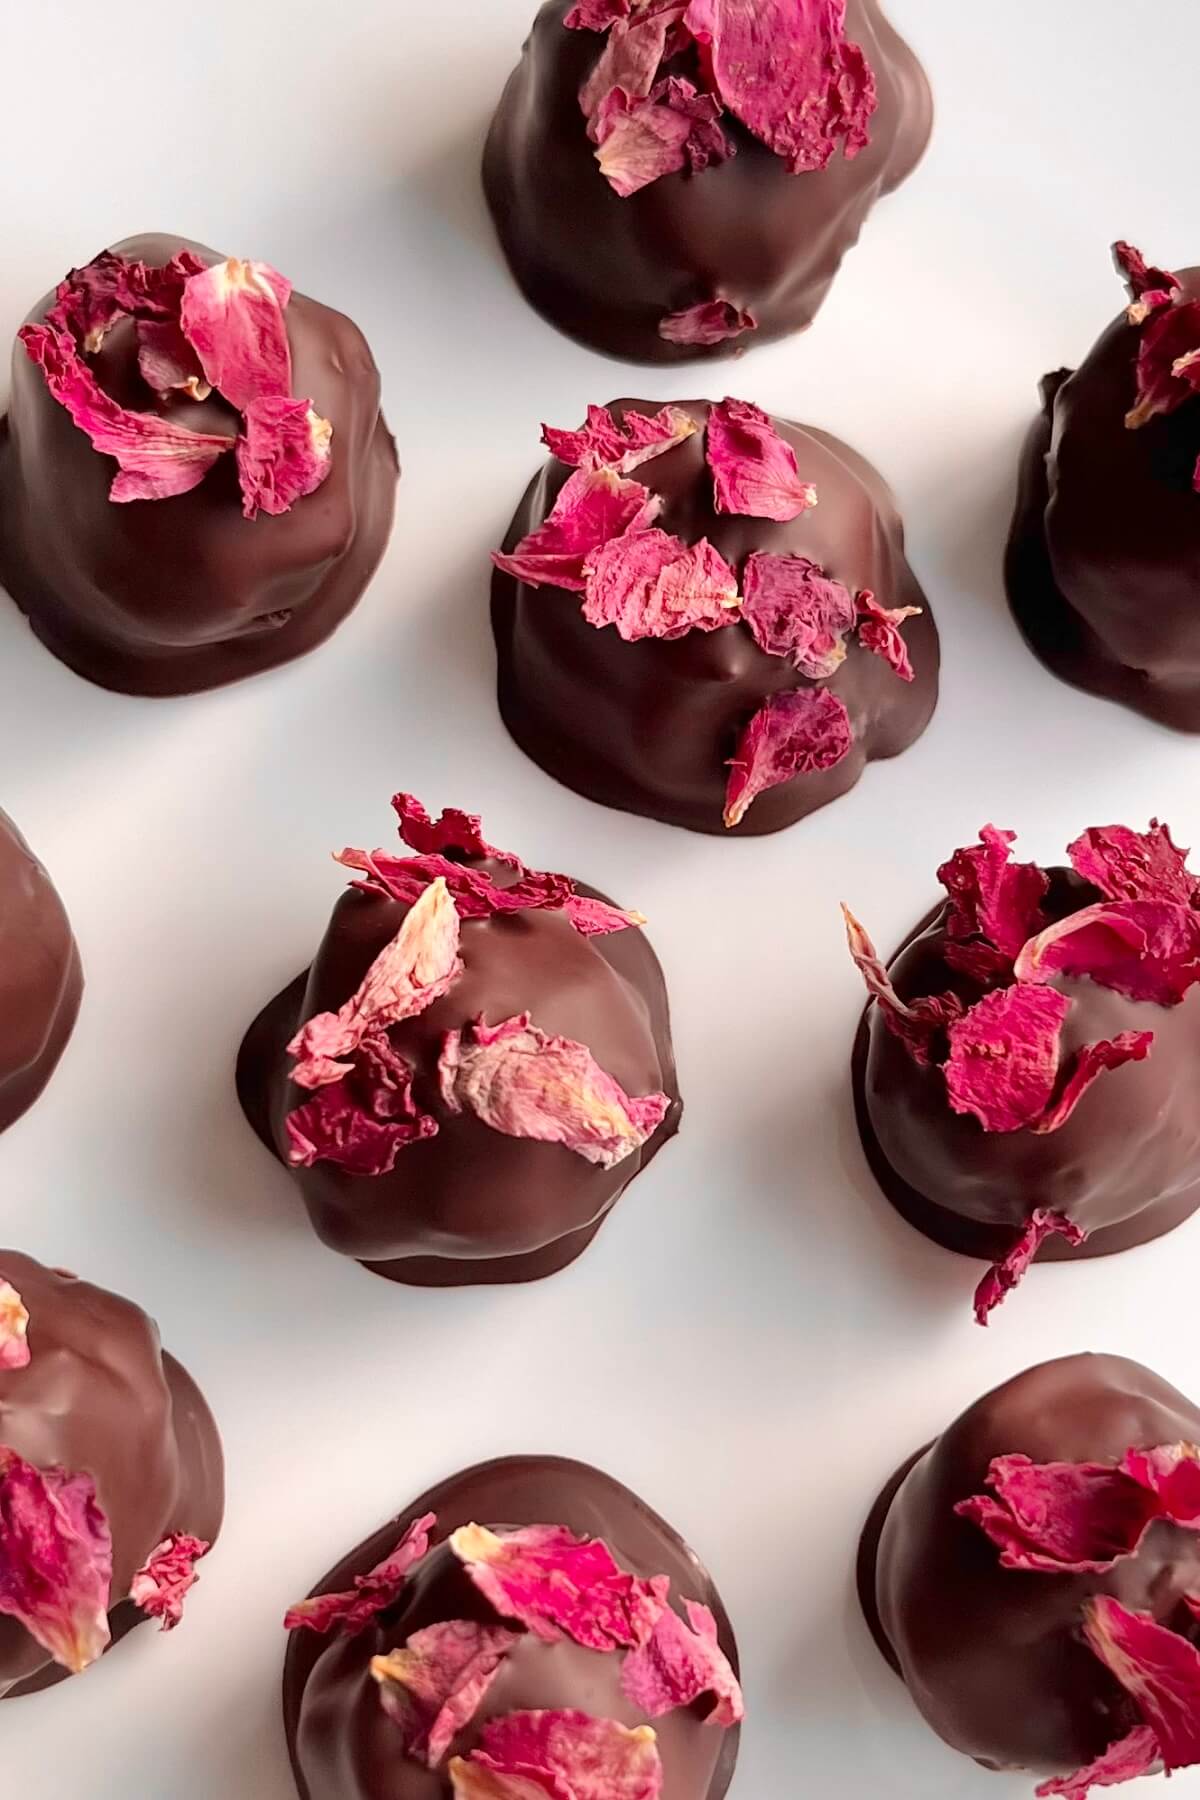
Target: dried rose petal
{"type": "Point", "coordinates": [454, 830]}
{"type": "Point", "coordinates": [435, 1685]}
{"type": "Point", "coordinates": [1061, 1518]}
{"type": "Point", "coordinates": [92, 299]}
{"type": "Point", "coordinates": [232, 316]}
{"type": "Point", "coordinates": [651, 585]}
{"type": "Point", "coordinates": [596, 918]}
{"type": "Point", "coordinates": [596, 15]}
{"type": "Point", "coordinates": [623, 445]}
{"type": "Point", "coordinates": [282, 455]}
{"type": "Point", "coordinates": [166, 361]}
{"type": "Point", "coordinates": [556, 1585]}
{"type": "Point", "coordinates": [1160, 1671]}
{"type": "Point", "coordinates": [156, 459]}
{"type": "Point", "coordinates": [797, 611]}
{"type": "Point", "coordinates": [1134, 865]}
{"type": "Point", "coordinates": [678, 1663]}
{"type": "Point", "coordinates": [419, 965]}
{"type": "Point", "coordinates": [674, 127]}
{"type": "Point", "coordinates": [1093, 1060]}
{"type": "Point", "coordinates": [708, 144]}
{"type": "Point", "coordinates": [706, 323]}
{"type": "Point", "coordinates": [595, 506]}
{"type": "Point", "coordinates": [1171, 1472]}
{"type": "Point", "coordinates": [14, 1327]}
{"type": "Point", "coordinates": [879, 631]}
{"type": "Point", "coordinates": [995, 905]}
{"type": "Point", "coordinates": [1001, 1279]}
{"type": "Point", "coordinates": [372, 1593]}
{"type": "Point", "coordinates": [595, 1759]}
{"type": "Point", "coordinates": [1166, 371]}
{"type": "Point", "coordinates": [1003, 1058]}
{"type": "Point", "coordinates": [162, 1583]}
{"type": "Point", "coordinates": [919, 1023]}
{"type": "Point", "coordinates": [340, 1124]}
{"type": "Point", "coordinates": [754, 469]}
{"type": "Point", "coordinates": [1123, 1761]}
{"type": "Point", "coordinates": [630, 58]}
{"type": "Point", "coordinates": [1144, 949]}
{"type": "Point", "coordinates": [55, 1560]}
{"type": "Point", "coordinates": [1149, 288]}
{"type": "Point", "coordinates": [785, 68]}
{"type": "Point", "coordinates": [798, 733]}
{"type": "Point", "coordinates": [476, 895]}
{"type": "Point", "coordinates": [482, 1779]}
{"type": "Point", "coordinates": [524, 1082]}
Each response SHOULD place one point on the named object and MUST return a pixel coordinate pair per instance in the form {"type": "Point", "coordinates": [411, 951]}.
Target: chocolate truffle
{"type": "Point", "coordinates": [111, 1475]}
{"type": "Point", "coordinates": [1034, 1576]}
{"type": "Point", "coordinates": [980, 1076]}
{"type": "Point", "coordinates": [675, 179]}
{"type": "Point", "coordinates": [1104, 559]}
{"type": "Point", "coordinates": [473, 1070]}
{"type": "Point", "coordinates": [722, 640]}
{"type": "Point", "coordinates": [196, 482]}
{"type": "Point", "coordinates": [40, 976]}
{"type": "Point", "coordinates": [514, 1622]}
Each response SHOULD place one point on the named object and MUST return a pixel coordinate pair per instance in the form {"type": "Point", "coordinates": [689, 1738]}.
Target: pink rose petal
{"type": "Point", "coordinates": [164, 1580]}
{"type": "Point", "coordinates": [1171, 1472]}
{"type": "Point", "coordinates": [1061, 1518]}
{"type": "Point", "coordinates": [594, 1759]}
{"type": "Point", "coordinates": [557, 1584]}
{"type": "Point", "coordinates": [798, 733]}
{"type": "Point", "coordinates": [651, 585]}
{"type": "Point", "coordinates": [596, 15]}
{"type": "Point", "coordinates": [707, 323]}
{"type": "Point", "coordinates": [995, 905]}
{"type": "Point", "coordinates": [362, 1119]}
{"type": "Point", "coordinates": [14, 1328]}
{"type": "Point", "coordinates": [678, 1664]}
{"type": "Point", "coordinates": [674, 127]}
{"type": "Point", "coordinates": [596, 918]}
{"type": "Point", "coordinates": [527, 1084]}
{"type": "Point", "coordinates": [1158, 1669]}
{"type": "Point", "coordinates": [55, 1560]}
{"type": "Point", "coordinates": [232, 316]}
{"type": "Point", "coordinates": [371, 1594]}
{"type": "Point", "coordinates": [92, 299]}
{"type": "Point", "coordinates": [166, 361]}
{"type": "Point", "coordinates": [482, 1779]}
{"type": "Point", "coordinates": [1000, 1280]}
{"type": "Point", "coordinates": [282, 455]}
{"type": "Point", "coordinates": [605, 443]}
{"type": "Point", "coordinates": [435, 1684]}
{"type": "Point", "coordinates": [754, 469]}
{"type": "Point", "coordinates": [630, 58]}
{"type": "Point", "coordinates": [1093, 1061]}
{"type": "Point", "coordinates": [1004, 1053]}
{"type": "Point", "coordinates": [1133, 865]}
{"type": "Point", "coordinates": [1167, 375]}
{"type": "Point", "coordinates": [595, 506]}
{"type": "Point", "coordinates": [796, 611]}
{"type": "Point", "coordinates": [453, 831]}
{"type": "Point", "coordinates": [786, 69]}
{"type": "Point", "coordinates": [1144, 949]}
{"type": "Point", "coordinates": [1149, 288]}
{"type": "Point", "coordinates": [1137, 1754]}
{"type": "Point", "coordinates": [919, 1023]}
{"type": "Point", "coordinates": [476, 895]}
{"type": "Point", "coordinates": [879, 631]}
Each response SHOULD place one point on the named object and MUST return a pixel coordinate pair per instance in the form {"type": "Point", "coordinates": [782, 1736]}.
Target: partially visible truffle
{"type": "Point", "coordinates": [41, 979]}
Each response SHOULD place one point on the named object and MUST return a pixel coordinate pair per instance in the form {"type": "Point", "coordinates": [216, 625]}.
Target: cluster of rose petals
{"type": "Point", "coordinates": [801, 732]}
{"type": "Point", "coordinates": [436, 1683]}
{"type": "Point", "coordinates": [560, 1756]}
{"type": "Point", "coordinates": [199, 329]}
{"type": "Point", "coordinates": [1003, 1277]}
{"type": "Point", "coordinates": [55, 1559]}
{"type": "Point", "coordinates": [164, 1580]}
{"type": "Point", "coordinates": [526, 1083]}
{"type": "Point", "coordinates": [706, 324]}
{"type": "Point", "coordinates": [378, 1589]}
{"type": "Point", "coordinates": [14, 1328]}
{"type": "Point", "coordinates": [1168, 361]}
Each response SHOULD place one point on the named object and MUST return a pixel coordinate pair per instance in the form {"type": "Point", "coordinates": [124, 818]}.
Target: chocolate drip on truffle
{"type": "Point", "coordinates": [41, 980]}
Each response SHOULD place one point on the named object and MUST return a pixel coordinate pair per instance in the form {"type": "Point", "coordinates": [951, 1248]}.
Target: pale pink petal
{"type": "Point", "coordinates": [798, 733]}
{"type": "Point", "coordinates": [595, 1759]}
{"type": "Point", "coordinates": [557, 1584]}
{"type": "Point", "coordinates": [435, 1684]}
{"type": "Point", "coordinates": [919, 1023]}
{"type": "Point", "coordinates": [371, 1594]}
{"type": "Point", "coordinates": [164, 1580]}
{"type": "Point", "coordinates": [55, 1560]}
{"type": "Point", "coordinates": [639, 141]}
{"type": "Point", "coordinates": [232, 315]}
{"type": "Point", "coordinates": [14, 1328]}
{"type": "Point", "coordinates": [282, 455]}
{"type": "Point", "coordinates": [678, 1664]}
{"type": "Point", "coordinates": [630, 58]}
{"type": "Point", "coordinates": [482, 1779]}
{"type": "Point", "coordinates": [754, 469]}
{"type": "Point", "coordinates": [707, 323]}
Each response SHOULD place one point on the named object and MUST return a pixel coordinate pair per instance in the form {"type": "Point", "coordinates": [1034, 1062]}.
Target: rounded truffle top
{"type": "Point", "coordinates": [40, 980]}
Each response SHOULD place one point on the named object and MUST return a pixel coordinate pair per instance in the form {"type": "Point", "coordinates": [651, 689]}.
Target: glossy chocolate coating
{"type": "Point", "coordinates": [608, 270]}
{"type": "Point", "coordinates": [1125, 1166]}
{"type": "Point", "coordinates": [1104, 559]}
{"type": "Point", "coordinates": [343, 1745]}
{"type": "Point", "coordinates": [995, 1658]}
{"type": "Point", "coordinates": [650, 727]}
{"type": "Point", "coordinates": [171, 596]}
{"type": "Point", "coordinates": [41, 980]}
{"type": "Point", "coordinates": [472, 1205]}
{"type": "Point", "coordinates": [101, 1397]}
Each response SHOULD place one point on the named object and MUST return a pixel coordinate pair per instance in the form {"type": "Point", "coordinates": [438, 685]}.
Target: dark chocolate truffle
{"type": "Point", "coordinates": [111, 1474]}
{"type": "Point", "coordinates": [1001, 1610]}
{"type": "Point", "coordinates": [1036, 1045]}
{"type": "Point", "coordinates": [544, 1658]}
{"type": "Point", "coordinates": [673, 181]}
{"type": "Point", "coordinates": [253, 495]}
{"type": "Point", "coordinates": [474, 1069]}
{"type": "Point", "coordinates": [40, 976]}
{"type": "Point", "coordinates": [1103, 562]}
{"type": "Point", "coordinates": [662, 689]}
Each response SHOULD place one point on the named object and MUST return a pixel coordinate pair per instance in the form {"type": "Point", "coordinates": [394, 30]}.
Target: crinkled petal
{"type": "Point", "coordinates": [1003, 1277]}
{"type": "Point", "coordinates": [1135, 865]}
{"type": "Point", "coordinates": [879, 631]}
{"type": "Point", "coordinates": [164, 1580]}
{"type": "Point", "coordinates": [1061, 1518]}
{"type": "Point", "coordinates": [14, 1328]}
{"type": "Point", "coordinates": [595, 506]}
{"type": "Point", "coordinates": [1144, 949]}
{"type": "Point", "coordinates": [1166, 370]}
{"type": "Point", "coordinates": [483, 1779]}
{"type": "Point", "coordinates": [651, 585]}
{"type": "Point", "coordinates": [528, 1084]}
{"type": "Point", "coordinates": [678, 1663]}
{"type": "Point", "coordinates": [1171, 1472]}
{"type": "Point", "coordinates": [754, 469]}
{"type": "Point", "coordinates": [282, 455]}
{"type": "Point", "coordinates": [707, 323]}
{"type": "Point", "coordinates": [454, 830]}
{"type": "Point", "coordinates": [638, 141]}
{"type": "Point", "coordinates": [995, 905]}
{"type": "Point", "coordinates": [557, 1584]}
{"type": "Point", "coordinates": [166, 361]}
{"type": "Point", "coordinates": [436, 1683]}
{"type": "Point", "coordinates": [1149, 288]}
{"type": "Point", "coordinates": [630, 58]}
{"type": "Point", "coordinates": [795, 610]}
{"type": "Point", "coordinates": [476, 895]}
{"type": "Point", "coordinates": [1092, 1062]}
{"type": "Point", "coordinates": [1004, 1053]}
{"type": "Point", "coordinates": [1137, 1754]}
{"type": "Point", "coordinates": [623, 445]}
{"type": "Point", "coordinates": [232, 316]}
{"type": "Point", "coordinates": [596, 15]}
{"type": "Point", "coordinates": [1157, 1668]}
{"type": "Point", "coordinates": [340, 1126]}
{"type": "Point", "coordinates": [91, 300]}
{"type": "Point", "coordinates": [55, 1560]}
{"type": "Point", "coordinates": [798, 733]}
{"type": "Point", "coordinates": [919, 1024]}
{"type": "Point", "coordinates": [596, 918]}
{"type": "Point", "coordinates": [595, 1759]}
{"type": "Point", "coordinates": [371, 1594]}
{"type": "Point", "coordinates": [787, 70]}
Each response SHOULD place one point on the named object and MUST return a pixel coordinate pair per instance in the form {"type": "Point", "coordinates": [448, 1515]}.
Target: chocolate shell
{"type": "Point", "coordinates": [101, 1397]}
{"type": "Point", "coordinates": [342, 1743]}
{"type": "Point", "coordinates": [995, 1658]}
{"type": "Point", "coordinates": [1103, 565]}
{"type": "Point", "coordinates": [650, 727]}
{"type": "Point", "coordinates": [41, 980]}
{"type": "Point", "coordinates": [608, 270]}
{"type": "Point", "coordinates": [171, 596]}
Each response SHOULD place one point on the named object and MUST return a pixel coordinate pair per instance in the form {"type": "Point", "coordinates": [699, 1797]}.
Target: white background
{"type": "Point", "coordinates": [755, 1341]}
